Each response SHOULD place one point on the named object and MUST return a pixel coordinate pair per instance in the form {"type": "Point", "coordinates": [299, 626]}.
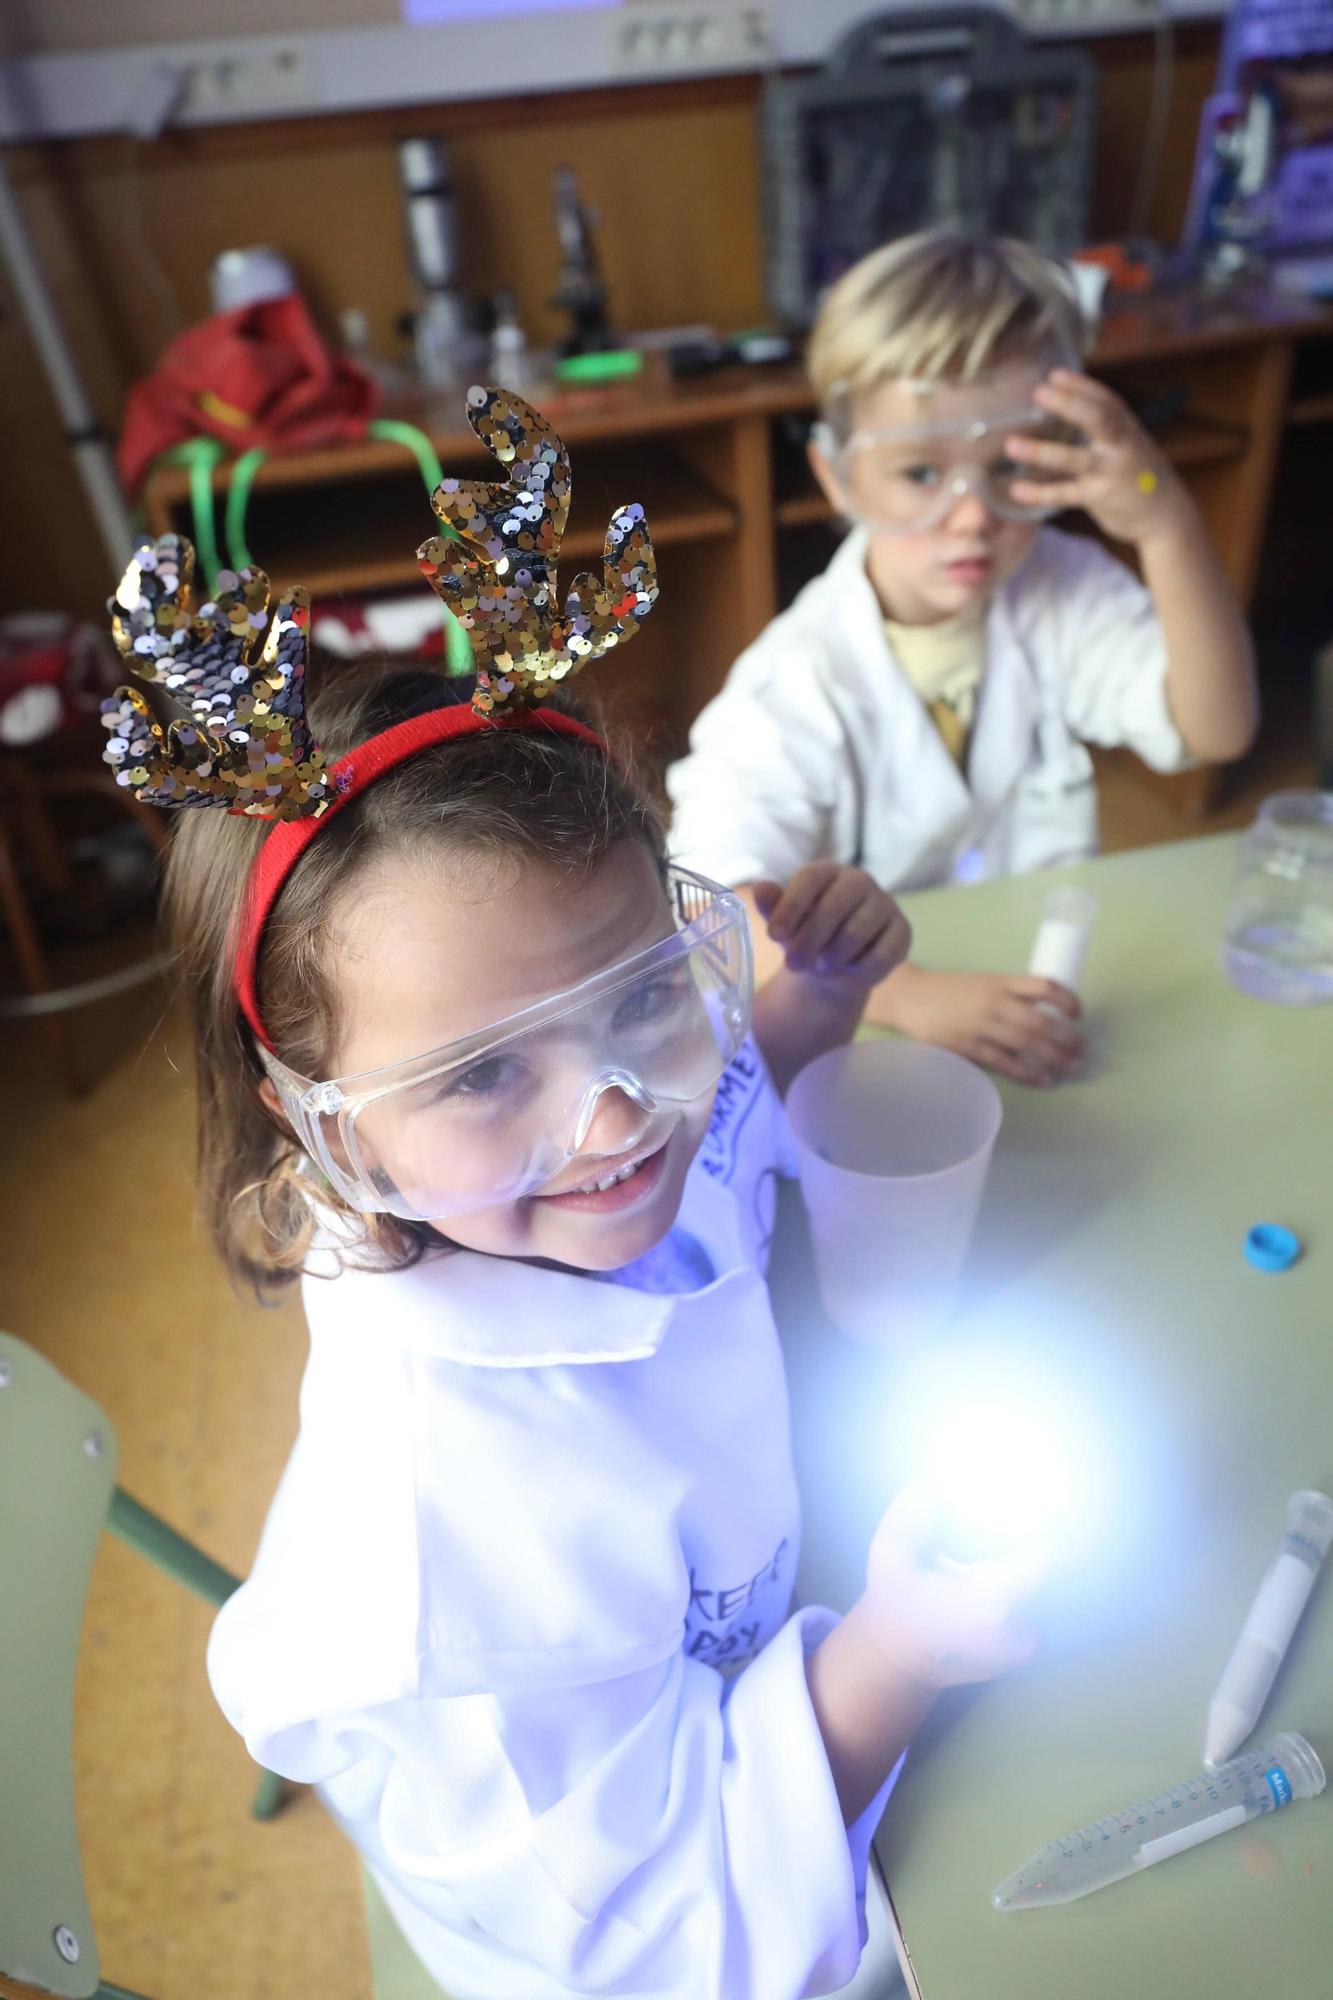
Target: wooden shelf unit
{"type": "Point", "coordinates": [1303, 411]}
{"type": "Point", "coordinates": [363, 535]}
{"type": "Point", "coordinates": [714, 462]}
{"type": "Point", "coordinates": [802, 509]}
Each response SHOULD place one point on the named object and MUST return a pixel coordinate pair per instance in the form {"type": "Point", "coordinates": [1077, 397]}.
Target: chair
{"type": "Point", "coordinates": [69, 769]}
{"type": "Point", "coordinates": [57, 1494]}
{"type": "Point", "coordinates": [396, 1971]}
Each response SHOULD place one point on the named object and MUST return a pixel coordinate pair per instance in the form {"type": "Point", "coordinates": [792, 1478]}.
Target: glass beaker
{"type": "Point", "coordinates": [1279, 934]}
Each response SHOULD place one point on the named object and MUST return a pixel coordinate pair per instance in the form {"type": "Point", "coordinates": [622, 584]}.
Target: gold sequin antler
{"type": "Point", "coordinates": [499, 576]}
{"type": "Point", "coordinates": [237, 673]}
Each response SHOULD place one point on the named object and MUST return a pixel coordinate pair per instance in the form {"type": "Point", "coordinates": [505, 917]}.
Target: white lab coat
{"type": "Point", "coordinates": [818, 748]}
{"type": "Point", "coordinates": [532, 1526]}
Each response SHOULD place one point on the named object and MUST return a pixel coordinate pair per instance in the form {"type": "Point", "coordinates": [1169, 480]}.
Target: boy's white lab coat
{"type": "Point", "coordinates": [532, 1525]}
{"type": "Point", "coordinates": [818, 748]}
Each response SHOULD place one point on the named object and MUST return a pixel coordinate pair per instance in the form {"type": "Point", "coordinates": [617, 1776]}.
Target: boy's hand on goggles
{"type": "Point", "coordinates": [1119, 476]}
{"type": "Point", "coordinates": [1019, 1025]}
{"type": "Point", "coordinates": [835, 922]}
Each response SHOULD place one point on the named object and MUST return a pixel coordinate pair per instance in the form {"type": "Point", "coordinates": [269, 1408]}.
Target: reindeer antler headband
{"type": "Point", "coordinates": [238, 673]}
{"type": "Point", "coordinates": [498, 577]}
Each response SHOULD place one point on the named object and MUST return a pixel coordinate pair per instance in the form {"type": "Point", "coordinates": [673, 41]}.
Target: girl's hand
{"type": "Point", "coordinates": [835, 923]}
{"type": "Point", "coordinates": [1016, 1024]}
{"type": "Point", "coordinates": [940, 1622]}
{"type": "Point", "coordinates": [1119, 476]}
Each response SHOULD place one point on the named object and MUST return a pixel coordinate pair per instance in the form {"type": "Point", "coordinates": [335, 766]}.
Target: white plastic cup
{"type": "Point", "coordinates": [894, 1141]}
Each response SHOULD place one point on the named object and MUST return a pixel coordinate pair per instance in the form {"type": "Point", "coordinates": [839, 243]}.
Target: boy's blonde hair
{"type": "Point", "coordinates": [941, 307]}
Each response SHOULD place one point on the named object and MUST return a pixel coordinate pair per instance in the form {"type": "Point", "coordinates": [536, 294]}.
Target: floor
{"type": "Point", "coordinates": [104, 1271]}
{"type": "Point", "coordinates": [106, 1274]}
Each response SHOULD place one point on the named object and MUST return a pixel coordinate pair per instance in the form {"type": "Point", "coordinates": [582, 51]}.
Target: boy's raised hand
{"type": "Point", "coordinates": [1119, 475]}
{"type": "Point", "coordinates": [835, 923]}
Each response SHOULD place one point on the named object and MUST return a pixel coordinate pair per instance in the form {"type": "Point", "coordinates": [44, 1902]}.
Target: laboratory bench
{"type": "Point", "coordinates": [1193, 1394]}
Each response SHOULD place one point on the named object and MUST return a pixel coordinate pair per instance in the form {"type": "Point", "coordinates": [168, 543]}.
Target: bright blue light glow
{"type": "Point", "coordinates": [1016, 1457]}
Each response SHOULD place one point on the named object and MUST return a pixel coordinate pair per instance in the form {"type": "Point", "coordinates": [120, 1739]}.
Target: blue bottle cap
{"type": "Point", "coordinates": [1270, 1247]}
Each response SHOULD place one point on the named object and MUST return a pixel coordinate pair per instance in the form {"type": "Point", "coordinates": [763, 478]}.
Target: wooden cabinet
{"type": "Point", "coordinates": [737, 520]}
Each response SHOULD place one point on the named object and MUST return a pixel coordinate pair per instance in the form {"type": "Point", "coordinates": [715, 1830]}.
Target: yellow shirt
{"type": "Point", "coordinates": [944, 664]}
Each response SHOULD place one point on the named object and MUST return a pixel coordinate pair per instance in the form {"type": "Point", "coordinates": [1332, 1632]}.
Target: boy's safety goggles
{"type": "Point", "coordinates": [499, 1114]}
{"type": "Point", "coordinates": [907, 479]}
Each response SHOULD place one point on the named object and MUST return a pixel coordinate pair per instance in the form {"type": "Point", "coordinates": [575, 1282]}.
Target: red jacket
{"type": "Point", "coordinates": [262, 375]}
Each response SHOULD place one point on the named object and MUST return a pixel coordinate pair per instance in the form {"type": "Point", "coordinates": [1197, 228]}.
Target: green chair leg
{"type": "Point", "coordinates": [152, 1537]}
{"type": "Point", "coordinates": [270, 1796]}
{"type": "Point", "coordinates": [105, 1992]}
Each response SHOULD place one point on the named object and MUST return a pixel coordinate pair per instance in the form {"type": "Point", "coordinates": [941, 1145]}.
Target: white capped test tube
{"type": "Point", "coordinates": [1061, 944]}
{"type": "Point", "coordinates": [1269, 1624]}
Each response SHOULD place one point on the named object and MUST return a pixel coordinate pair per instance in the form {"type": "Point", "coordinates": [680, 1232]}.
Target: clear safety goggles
{"type": "Point", "coordinates": [906, 479]}
{"type": "Point", "coordinates": [500, 1113]}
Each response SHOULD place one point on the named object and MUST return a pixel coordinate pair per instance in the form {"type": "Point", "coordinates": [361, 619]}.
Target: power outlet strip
{"type": "Point", "coordinates": [1073, 17]}
{"type": "Point", "coordinates": [264, 77]}
{"type": "Point", "coordinates": [654, 40]}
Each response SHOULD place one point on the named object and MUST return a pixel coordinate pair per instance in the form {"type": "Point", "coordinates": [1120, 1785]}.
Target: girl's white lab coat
{"type": "Point", "coordinates": [532, 1526]}
{"type": "Point", "coordinates": [818, 748]}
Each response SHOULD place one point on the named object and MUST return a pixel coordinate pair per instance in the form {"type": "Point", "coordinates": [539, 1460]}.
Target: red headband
{"type": "Point", "coordinates": [351, 776]}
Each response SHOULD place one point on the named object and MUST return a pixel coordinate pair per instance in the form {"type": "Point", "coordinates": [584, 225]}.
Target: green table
{"type": "Point", "coordinates": [1111, 1243]}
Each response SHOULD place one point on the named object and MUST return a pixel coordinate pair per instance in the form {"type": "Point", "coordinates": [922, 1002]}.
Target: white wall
{"type": "Point", "coordinates": [92, 63]}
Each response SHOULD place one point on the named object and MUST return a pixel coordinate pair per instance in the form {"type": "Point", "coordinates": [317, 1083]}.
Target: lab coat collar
{"type": "Point", "coordinates": [497, 1312]}
{"type": "Point", "coordinates": [1008, 705]}
{"type": "Point", "coordinates": [1008, 701]}
{"type": "Point", "coordinates": [917, 745]}
{"type": "Point", "coordinates": [491, 1312]}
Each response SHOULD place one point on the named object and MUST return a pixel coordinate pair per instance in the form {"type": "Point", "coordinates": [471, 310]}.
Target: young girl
{"type": "Point", "coordinates": [475, 1065]}
{"type": "Point", "coordinates": [923, 706]}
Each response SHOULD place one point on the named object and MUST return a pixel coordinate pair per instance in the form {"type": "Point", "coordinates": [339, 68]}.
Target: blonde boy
{"type": "Point", "coordinates": [922, 708]}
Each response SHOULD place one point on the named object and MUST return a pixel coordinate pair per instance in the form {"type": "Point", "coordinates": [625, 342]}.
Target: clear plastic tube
{"type": "Point", "coordinates": [1269, 1624]}
{"type": "Point", "coordinates": [1061, 943]}
{"type": "Point", "coordinates": [1195, 1810]}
